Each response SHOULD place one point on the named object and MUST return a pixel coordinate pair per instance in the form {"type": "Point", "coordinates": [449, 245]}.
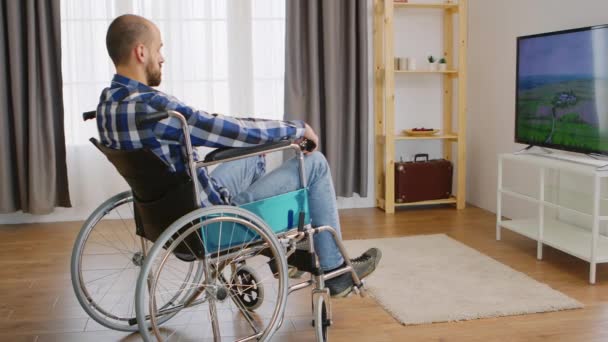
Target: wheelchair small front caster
{"type": "Point", "coordinates": [247, 287]}
{"type": "Point", "coordinates": [321, 316]}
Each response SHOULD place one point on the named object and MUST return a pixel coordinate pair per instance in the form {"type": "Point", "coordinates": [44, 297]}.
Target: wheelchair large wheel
{"type": "Point", "coordinates": [224, 239]}
{"type": "Point", "coordinates": [105, 264]}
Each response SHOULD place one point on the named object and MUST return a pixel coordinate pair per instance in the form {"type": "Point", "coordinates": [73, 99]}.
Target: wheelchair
{"type": "Point", "coordinates": [152, 254]}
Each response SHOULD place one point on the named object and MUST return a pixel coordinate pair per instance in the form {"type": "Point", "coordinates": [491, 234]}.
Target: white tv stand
{"type": "Point", "coordinates": [577, 241]}
{"type": "Point", "coordinates": [599, 162]}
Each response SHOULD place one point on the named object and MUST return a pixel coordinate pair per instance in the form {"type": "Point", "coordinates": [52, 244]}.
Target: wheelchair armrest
{"type": "Point", "coordinates": [234, 152]}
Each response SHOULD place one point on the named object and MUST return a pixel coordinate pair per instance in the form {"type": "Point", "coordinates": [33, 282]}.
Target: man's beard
{"type": "Point", "coordinates": [153, 76]}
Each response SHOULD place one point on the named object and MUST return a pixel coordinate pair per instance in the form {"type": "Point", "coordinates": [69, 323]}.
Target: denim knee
{"type": "Point", "coordinates": [317, 163]}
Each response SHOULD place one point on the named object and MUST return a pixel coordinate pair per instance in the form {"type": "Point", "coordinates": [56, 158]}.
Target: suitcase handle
{"type": "Point", "coordinates": [421, 155]}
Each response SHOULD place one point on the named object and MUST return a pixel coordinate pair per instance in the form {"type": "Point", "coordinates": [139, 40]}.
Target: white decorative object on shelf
{"type": "Point", "coordinates": [411, 63]}
{"type": "Point", "coordinates": [443, 66]}
{"type": "Point", "coordinates": [403, 63]}
{"type": "Point", "coordinates": [574, 240]}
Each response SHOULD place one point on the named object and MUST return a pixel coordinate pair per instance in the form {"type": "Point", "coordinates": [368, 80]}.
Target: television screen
{"type": "Point", "coordinates": [562, 90]}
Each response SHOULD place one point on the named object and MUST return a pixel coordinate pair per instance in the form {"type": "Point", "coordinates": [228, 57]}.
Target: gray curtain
{"type": "Point", "coordinates": [33, 173]}
{"type": "Point", "coordinates": [326, 83]}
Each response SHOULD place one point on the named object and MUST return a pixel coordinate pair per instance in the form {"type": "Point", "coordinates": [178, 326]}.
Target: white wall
{"type": "Point", "coordinates": [493, 28]}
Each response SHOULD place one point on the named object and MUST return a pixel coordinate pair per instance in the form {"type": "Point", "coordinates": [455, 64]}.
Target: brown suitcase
{"type": "Point", "coordinates": [423, 180]}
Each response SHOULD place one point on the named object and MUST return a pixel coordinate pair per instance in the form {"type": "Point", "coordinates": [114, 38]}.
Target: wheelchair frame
{"type": "Point", "coordinates": [287, 246]}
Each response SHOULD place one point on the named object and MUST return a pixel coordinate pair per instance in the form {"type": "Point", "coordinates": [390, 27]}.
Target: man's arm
{"type": "Point", "coordinates": [216, 130]}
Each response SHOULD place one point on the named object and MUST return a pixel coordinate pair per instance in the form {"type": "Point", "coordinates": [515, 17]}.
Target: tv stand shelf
{"type": "Point", "coordinates": [582, 243]}
{"type": "Point", "coordinates": [571, 239]}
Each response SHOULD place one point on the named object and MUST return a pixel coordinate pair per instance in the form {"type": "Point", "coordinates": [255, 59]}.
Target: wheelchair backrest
{"type": "Point", "coordinates": [148, 176]}
{"type": "Point", "coordinates": [160, 196]}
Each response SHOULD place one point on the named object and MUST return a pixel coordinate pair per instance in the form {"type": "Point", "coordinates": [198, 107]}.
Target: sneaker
{"type": "Point", "coordinates": [340, 286]}
{"type": "Point", "coordinates": [363, 265]}
{"type": "Point", "coordinates": [367, 262]}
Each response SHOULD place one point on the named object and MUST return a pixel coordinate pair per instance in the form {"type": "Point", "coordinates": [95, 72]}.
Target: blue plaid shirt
{"type": "Point", "coordinates": [126, 99]}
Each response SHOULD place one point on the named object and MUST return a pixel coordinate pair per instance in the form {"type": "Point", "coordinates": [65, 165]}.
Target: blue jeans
{"type": "Point", "coordinates": [247, 181]}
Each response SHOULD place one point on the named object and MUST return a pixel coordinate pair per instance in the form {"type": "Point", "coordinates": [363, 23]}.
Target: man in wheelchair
{"type": "Point", "coordinates": [134, 45]}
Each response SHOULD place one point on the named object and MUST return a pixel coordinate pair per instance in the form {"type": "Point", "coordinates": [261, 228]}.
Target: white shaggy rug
{"type": "Point", "coordinates": [434, 278]}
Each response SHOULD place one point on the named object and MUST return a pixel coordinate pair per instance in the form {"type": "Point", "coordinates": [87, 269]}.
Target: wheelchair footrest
{"type": "Point", "coordinates": [300, 259]}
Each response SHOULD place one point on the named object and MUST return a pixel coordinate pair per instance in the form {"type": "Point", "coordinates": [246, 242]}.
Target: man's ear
{"type": "Point", "coordinates": [140, 53]}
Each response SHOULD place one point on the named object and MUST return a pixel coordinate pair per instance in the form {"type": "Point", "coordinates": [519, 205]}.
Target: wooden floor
{"type": "Point", "coordinates": [37, 302]}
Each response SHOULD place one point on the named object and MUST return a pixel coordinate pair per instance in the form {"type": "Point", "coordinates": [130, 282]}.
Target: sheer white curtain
{"type": "Point", "coordinates": [221, 56]}
{"type": "Point", "coordinates": [224, 56]}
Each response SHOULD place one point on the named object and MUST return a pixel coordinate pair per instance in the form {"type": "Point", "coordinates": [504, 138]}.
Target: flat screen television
{"type": "Point", "coordinates": [562, 90]}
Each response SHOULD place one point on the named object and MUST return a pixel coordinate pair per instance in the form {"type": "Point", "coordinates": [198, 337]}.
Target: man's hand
{"type": "Point", "coordinates": [310, 134]}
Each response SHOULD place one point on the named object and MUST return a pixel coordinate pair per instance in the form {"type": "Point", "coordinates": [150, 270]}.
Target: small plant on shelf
{"type": "Point", "coordinates": [432, 60]}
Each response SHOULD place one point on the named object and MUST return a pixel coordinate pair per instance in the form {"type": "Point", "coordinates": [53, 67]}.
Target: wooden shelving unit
{"type": "Point", "coordinates": [426, 72]}
{"type": "Point", "coordinates": [450, 6]}
{"type": "Point", "coordinates": [432, 137]}
{"type": "Point", "coordinates": [384, 98]}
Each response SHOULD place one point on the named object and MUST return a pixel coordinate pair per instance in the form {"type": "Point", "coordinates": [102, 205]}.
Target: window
{"type": "Point", "coordinates": [224, 56]}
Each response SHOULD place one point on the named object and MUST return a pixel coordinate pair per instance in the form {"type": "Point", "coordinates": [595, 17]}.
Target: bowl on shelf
{"type": "Point", "coordinates": [420, 132]}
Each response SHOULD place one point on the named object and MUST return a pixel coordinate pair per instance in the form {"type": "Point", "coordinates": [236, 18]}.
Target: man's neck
{"type": "Point", "coordinates": [132, 74]}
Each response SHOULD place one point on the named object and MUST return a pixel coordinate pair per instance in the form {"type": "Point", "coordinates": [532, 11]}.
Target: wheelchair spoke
{"type": "Point", "coordinates": [103, 277]}
{"type": "Point", "coordinates": [121, 251]}
{"type": "Point", "coordinates": [131, 309]}
{"type": "Point", "coordinates": [173, 270]}
{"type": "Point", "coordinates": [119, 239]}
{"type": "Point", "coordinates": [214, 319]}
{"type": "Point", "coordinates": [194, 286]}
{"type": "Point", "coordinates": [261, 265]}
{"type": "Point", "coordinates": [166, 292]}
{"type": "Point", "coordinates": [125, 250]}
{"type": "Point", "coordinates": [245, 248]}
{"type": "Point", "coordinates": [127, 253]}
{"type": "Point", "coordinates": [237, 301]}
{"type": "Point", "coordinates": [172, 333]}
{"type": "Point", "coordinates": [118, 301]}
{"type": "Point", "coordinates": [219, 243]}
{"type": "Point", "coordinates": [124, 225]}
{"type": "Point", "coordinates": [110, 287]}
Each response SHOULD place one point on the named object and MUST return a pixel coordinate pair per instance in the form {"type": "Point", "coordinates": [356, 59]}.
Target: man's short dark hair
{"type": "Point", "coordinates": [124, 31]}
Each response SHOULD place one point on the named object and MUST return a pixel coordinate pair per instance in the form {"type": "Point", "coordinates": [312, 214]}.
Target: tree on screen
{"type": "Point", "coordinates": [560, 100]}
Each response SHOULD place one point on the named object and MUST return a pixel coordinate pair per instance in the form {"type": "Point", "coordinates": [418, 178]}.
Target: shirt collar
{"type": "Point", "coordinates": [120, 80]}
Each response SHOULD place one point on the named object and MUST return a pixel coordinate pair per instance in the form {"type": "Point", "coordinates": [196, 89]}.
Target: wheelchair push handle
{"type": "Point", "coordinates": [89, 115]}
{"type": "Point", "coordinates": [307, 145]}
{"type": "Point", "coordinates": [149, 118]}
